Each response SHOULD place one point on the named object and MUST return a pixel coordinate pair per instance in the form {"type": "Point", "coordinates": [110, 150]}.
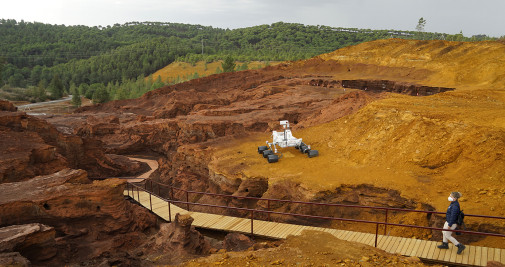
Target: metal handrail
{"type": "Point", "coordinates": [252, 211]}
{"type": "Point", "coordinates": [316, 203]}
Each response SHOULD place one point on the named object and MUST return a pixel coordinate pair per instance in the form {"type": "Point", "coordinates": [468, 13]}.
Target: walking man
{"type": "Point", "coordinates": [451, 218]}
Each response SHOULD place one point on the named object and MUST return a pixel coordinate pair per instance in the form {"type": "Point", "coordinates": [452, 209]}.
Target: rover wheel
{"type": "Point", "coordinates": [313, 153]}
{"type": "Point", "coordinates": [261, 149]}
{"type": "Point", "coordinates": [273, 158]}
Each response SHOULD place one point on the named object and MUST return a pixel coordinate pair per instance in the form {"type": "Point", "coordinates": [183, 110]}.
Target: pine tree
{"type": "Point", "coordinates": [76, 98]}
{"type": "Point", "coordinates": [56, 87]}
{"type": "Point", "coordinates": [228, 65]}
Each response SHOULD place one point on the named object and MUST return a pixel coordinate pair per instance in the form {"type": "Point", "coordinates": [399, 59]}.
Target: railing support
{"type": "Point", "coordinates": [150, 201]}
{"type": "Point", "coordinates": [187, 199]}
{"type": "Point", "coordinates": [252, 226]}
{"type": "Point", "coordinates": [138, 195]}
{"type": "Point", "coordinates": [376, 233]}
{"type": "Point", "coordinates": [268, 209]}
{"type": "Point", "coordinates": [169, 213]}
{"type": "Point", "coordinates": [386, 221]}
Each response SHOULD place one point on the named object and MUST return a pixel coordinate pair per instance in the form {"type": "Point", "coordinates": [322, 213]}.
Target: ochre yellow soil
{"type": "Point", "coordinates": [184, 69]}
{"type": "Point", "coordinates": [424, 147]}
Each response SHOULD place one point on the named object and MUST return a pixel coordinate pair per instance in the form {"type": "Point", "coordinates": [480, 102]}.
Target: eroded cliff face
{"type": "Point", "coordinates": [31, 146]}
{"type": "Point", "coordinates": [87, 218]}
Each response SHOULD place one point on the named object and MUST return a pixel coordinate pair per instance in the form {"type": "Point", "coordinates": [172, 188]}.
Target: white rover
{"type": "Point", "coordinates": [284, 139]}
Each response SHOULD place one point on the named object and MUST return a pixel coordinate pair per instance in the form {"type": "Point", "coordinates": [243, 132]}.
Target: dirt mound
{"type": "Point", "coordinates": [311, 248]}
{"type": "Point", "coordinates": [464, 65]}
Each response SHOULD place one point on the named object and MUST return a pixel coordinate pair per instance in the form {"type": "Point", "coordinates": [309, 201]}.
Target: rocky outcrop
{"type": "Point", "coordinates": [179, 238]}
{"type": "Point", "coordinates": [7, 106]}
{"type": "Point", "coordinates": [73, 205]}
{"type": "Point", "coordinates": [34, 241]}
{"type": "Point", "coordinates": [237, 242]}
{"type": "Point", "coordinates": [13, 259]}
{"type": "Point", "coordinates": [30, 146]}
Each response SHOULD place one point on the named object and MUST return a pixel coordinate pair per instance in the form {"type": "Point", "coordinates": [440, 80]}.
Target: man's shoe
{"type": "Point", "coordinates": [461, 247]}
{"type": "Point", "coordinates": [444, 245]}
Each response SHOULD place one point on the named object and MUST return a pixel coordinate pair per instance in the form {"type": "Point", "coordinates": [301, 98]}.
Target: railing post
{"type": "Point", "coordinates": [138, 195]}
{"type": "Point", "coordinates": [386, 221]}
{"type": "Point", "coordinates": [376, 233]}
{"type": "Point", "coordinates": [128, 188]}
{"type": "Point", "coordinates": [252, 227]}
{"type": "Point", "coordinates": [150, 201]}
{"type": "Point", "coordinates": [169, 213]}
{"type": "Point", "coordinates": [187, 199]}
{"type": "Point", "coordinates": [268, 209]}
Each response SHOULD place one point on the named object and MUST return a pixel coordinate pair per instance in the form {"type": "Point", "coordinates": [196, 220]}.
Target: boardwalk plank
{"type": "Point", "coordinates": [441, 255]}
{"type": "Point", "coordinates": [502, 256]}
{"type": "Point", "coordinates": [490, 254]}
{"type": "Point", "coordinates": [260, 227]}
{"type": "Point", "coordinates": [244, 226]}
{"type": "Point", "coordinates": [393, 244]}
{"type": "Point", "coordinates": [369, 240]}
{"type": "Point", "coordinates": [470, 256]}
{"type": "Point", "coordinates": [436, 252]}
{"type": "Point", "coordinates": [300, 231]}
{"type": "Point", "coordinates": [451, 251]}
{"type": "Point", "coordinates": [454, 254]}
{"type": "Point", "coordinates": [358, 237]}
{"type": "Point", "coordinates": [465, 255]}
{"type": "Point", "coordinates": [430, 250]}
{"type": "Point", "coordinates": [351, 236]}
{"type": "Point", "coordinates": [276, 230]}
{"type": "Point", "coordinates": [483, 257]}
{"type": "Point", "coordinates": [399, 247]}
{"type": "Point", "coordinates": [405, 246]}
{"type": "Point", "coordinates": [222, 222]}
{"type": "Point", "coordinates": [478, 256]}
{"type": "Point", "coordinates": [290, 230]}
{"type": "Point", "coordinates": [283, 233]}
{"type": "Point", "coordinates": [334, 232]}
{"type": "Point", "coordinates": [411, 247]}
{"type": "Point", "coordinates": [497, 254]}
{"type": "Point", "coordinates": [384, 242]}
{"type": "Point", "coordinates": [423, 247]}
{"type": "Point", "coordinates": [213, 220]}
{"type": "Point", "coordinates": [231, 224]}
{"type": "Point", "coordinates": [414, 248]}
{"type": "Point", "coordinates": [270, 231]}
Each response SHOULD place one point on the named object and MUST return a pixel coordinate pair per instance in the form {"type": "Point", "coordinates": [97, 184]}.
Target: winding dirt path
{"type": "Point", "coordinates": [153, 164]}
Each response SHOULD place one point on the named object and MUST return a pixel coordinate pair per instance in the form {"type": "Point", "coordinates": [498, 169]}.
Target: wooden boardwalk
{"type": "Point", "coordinates": [472, 256]}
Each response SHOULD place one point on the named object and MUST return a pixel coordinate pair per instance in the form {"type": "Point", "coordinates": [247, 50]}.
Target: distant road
{"type": "Point", "coordinates": [23, 107]}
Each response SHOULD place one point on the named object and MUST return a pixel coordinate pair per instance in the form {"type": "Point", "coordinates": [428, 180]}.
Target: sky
{"type": "Point", "coordinates": [472, 17]}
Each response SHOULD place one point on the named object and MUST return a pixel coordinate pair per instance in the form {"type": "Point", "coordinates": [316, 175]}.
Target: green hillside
{"type": "Point", "coordinates": [33, 55]}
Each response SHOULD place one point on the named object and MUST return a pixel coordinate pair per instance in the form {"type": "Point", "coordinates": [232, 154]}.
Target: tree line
{"type": "Point", "coordinates": [43, 56]}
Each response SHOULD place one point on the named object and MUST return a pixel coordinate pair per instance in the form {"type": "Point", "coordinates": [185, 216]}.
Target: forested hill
{"type": "Point", "coordinates": [33, 54]}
